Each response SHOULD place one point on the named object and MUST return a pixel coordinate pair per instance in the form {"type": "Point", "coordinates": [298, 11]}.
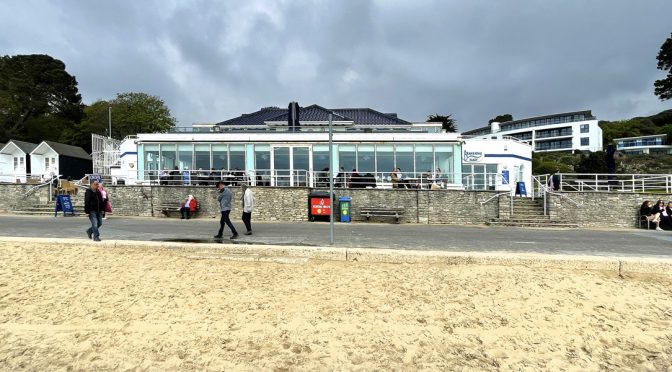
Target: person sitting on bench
{"type": "Point", "coordinates": [188, 207]}
{"type": "Point", "coordinates": [647, 210]}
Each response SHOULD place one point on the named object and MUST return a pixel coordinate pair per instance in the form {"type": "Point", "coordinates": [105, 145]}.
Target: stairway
{"type": "Point", "coordinates": [530, 213]}
{"type": "Point", "coordinates": [47, 209]}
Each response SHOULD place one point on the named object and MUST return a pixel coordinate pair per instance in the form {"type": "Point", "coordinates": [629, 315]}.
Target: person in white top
{"type": "Point", "coordinates": [248, 203]}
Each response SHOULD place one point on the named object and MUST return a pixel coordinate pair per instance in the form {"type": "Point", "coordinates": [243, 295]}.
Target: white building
{"type": "Point", "coordinates": [366, 144]}
{"type": "Point", "coordinates": [53, 158]}
{"type": "Point", "coordinates": [15, 161]}
{"type": "Point", "coordinates": [561, 132]}
{"type": "Point", "coordinates": [653, 144]}
{"type": "Point", "coordinates": [496, 164]}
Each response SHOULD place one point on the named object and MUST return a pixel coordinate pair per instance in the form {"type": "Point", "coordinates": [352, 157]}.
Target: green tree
{"type": "Point", "coordinates": [594, 162]}
{"type": "Point", "coordinates": [448, 124]}
{"type": "Point", "coordinates": [38, 98]}
{"type": "Point", "coordinates": [501, 118]}
{"type": "Point", "coordinates": [132, 113]}
{"type": "Point", "coordinates": [663, 87]}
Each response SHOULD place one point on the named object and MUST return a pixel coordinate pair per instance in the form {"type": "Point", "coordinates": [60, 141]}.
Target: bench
{"type": "Point", "coordinates": [369, 212]}
{"type": "Point", "coordinates": [170, 210]}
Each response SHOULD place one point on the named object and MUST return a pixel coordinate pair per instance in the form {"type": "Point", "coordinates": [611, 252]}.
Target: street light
{"type": "Point", "coordinates": [109, 121]}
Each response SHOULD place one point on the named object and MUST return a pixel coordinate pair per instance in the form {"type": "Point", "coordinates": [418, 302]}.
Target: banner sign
{"type": "Point", "coordinates": [64, 204]}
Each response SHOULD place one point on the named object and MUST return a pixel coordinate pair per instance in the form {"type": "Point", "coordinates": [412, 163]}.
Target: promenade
{"type": "Point", "coordinates": [625, 242]}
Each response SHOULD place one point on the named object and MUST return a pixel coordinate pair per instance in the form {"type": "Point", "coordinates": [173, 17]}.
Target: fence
{"type": "Point", "coordinates": [626, 183]}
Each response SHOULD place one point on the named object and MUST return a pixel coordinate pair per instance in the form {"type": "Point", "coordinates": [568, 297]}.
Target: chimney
{"type": "Point", "coordinates": [494, 127]}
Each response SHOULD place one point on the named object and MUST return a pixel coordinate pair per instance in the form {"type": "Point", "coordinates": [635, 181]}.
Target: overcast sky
{"type": "Point", "coordinates": [213, 60]}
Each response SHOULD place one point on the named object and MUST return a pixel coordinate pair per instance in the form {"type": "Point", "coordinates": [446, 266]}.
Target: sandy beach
{"type": "Point", "coordinates": [96, 308]}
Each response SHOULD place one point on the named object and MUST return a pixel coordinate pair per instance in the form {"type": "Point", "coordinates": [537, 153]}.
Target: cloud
{"type": "Point", "coordinates": [214, 60]}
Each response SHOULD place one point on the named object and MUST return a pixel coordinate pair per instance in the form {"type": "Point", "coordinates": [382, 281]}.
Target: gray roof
{"type": "Point", "coordinates": [360, 116]}
{"type": "Point", "coordinates": [26, 147]}
{"type": "Point", "coordinates": [68, 150]}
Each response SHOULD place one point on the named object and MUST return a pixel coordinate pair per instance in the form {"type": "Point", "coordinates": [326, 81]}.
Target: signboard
{"type": "Point", "coordinates": [505, 177]}
{"type": "Point", "coordinates": [64, 203]}
{"type": "Point", "coordinates": [520, 189]}
{"type": "Point", "coordinates": [320, 206]}
{"type": "Point", "coordinates": [472, 156]}
{"type": "Point", "coordinates": [95, 177]}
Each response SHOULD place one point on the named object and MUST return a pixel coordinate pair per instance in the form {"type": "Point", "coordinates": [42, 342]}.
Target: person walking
{"type": "Point", "coordinates": [107, 207]}
{"type": "Point", "coordinates": [224, 199]}
{"type": "Point", "coordinates": [93, 206]}
{"type": "Point", "coordinates": [248, 202]}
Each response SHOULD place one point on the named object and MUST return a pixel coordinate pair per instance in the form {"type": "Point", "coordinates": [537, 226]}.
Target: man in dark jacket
{"type": "Point", "coordinates": [93, 207]}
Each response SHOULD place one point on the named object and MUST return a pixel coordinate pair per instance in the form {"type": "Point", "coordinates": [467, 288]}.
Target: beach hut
{"type": "Point", "coordinates": [15, 161]}
{"type": "Point", "coordinates": [60, 159]}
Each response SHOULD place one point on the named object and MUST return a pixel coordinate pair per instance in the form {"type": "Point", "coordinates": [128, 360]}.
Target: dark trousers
{"type": "Point", "coordinates": [186, 212]}
{"type": "Point", "coordinates": [226, 220]}
{"type": "Point", "coordinates": [247, 220]}
{"type": "Point", "coordinates": [96, 222]}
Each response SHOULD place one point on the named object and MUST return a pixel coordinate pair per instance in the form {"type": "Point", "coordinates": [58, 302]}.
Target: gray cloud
{"type": "Point", "coordinates": [213, 60]}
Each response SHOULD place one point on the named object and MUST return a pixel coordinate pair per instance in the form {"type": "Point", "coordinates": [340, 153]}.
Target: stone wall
{"type": "Point", "coordinates": [599, 209]}
{"type": "Point", "coordinates": [12, 195]}
{"type": "Point", "coordinates": [420, 206]}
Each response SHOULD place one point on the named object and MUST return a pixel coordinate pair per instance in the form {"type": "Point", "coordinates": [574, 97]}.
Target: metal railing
{"type": "Point", "coordinates": [603, 182]}
{"type": "Point", "coordinates": [48, 182]}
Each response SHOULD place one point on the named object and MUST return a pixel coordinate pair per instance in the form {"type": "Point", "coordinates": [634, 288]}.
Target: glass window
{"type": "Point", "coordinates": [585, 128]}
{"type": "Point", "coordinates": [202, 156]}
{"type": "Point", "coordinates": [320, 157]}
{"type": "Point", "coordinates": [237, 156]}
{"type": "Point", "coordinates": [585, 141]}
{"type": "Point", "coordinates": [347, 157]}
{"type": "Point", "coordinates": [168, 158]}
{"type": "Point", "coordinates": [424, 158]}
{"type": "Point", "coordinates": [16, 163]}
{"type": "Point", "coordinates": [151, 153]}
{"type": "Point", "coordinates": [262, 157]}
{"type": "Point", "coordinates": [443, 158]}
{"type": "Point", "coordinates": [366, 159]}
{"type": "Point", "coordinates": [403, 158]}
{"type": "Point", "coordinates": [185, 156]}
{"type": "Point", "coordinates": [384, 160]}
{"type": "Point", "coordinates": [220, 157]}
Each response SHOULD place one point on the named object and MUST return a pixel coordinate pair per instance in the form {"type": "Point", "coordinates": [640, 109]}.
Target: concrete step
{"type": "Point", "coordinates": [533, 224]}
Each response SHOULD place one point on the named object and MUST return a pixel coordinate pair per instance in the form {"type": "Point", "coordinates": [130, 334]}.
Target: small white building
{"type": "Point", "coordinates": [15, 162]}
{"type": "Point", "coordinates": [497, 164]}
{"type": "Point", "coordinates": [560, 132]}
{"type": "Point", "coordinates": [53, 158]}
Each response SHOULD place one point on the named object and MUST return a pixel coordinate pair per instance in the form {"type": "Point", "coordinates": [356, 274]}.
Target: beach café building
{"type": "Point", "coordinates": [290, 147]}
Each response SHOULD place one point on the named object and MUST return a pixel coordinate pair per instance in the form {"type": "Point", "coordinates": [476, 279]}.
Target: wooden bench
{"type": "Point", "coordinates": [369, 212]}
{"type": "Point", "coordinates": [170, 210]}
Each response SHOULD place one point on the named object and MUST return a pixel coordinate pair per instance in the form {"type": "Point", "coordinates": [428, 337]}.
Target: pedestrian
{"type": "Point", "coordinates": [93, 206]}
{"type": "Point", "coordinates": [188, 207]}
{"type": "Point", "coordinates": [248, 202]}
{"type": "Point", "coordinates": [107, 207]}
{"type": "Point", "coordinates": [224, 199]}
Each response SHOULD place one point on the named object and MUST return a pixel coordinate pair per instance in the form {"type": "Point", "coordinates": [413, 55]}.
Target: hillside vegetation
{"type": "Point", "coordinates": [587, 162]}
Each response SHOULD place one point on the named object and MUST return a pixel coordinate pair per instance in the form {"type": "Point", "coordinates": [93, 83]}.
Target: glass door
{"type": "Point", "coordinates": [291, 166]}
{"type": "Point", "coordinates": [280, 166]}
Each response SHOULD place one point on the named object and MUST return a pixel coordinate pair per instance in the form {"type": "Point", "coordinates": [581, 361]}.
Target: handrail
{"type": "Point", "coordinates": [495, 196]}
{"type": "Point", "coordinates": [562, 196]}
{"type": "Point", "coordinates": [51, 180]}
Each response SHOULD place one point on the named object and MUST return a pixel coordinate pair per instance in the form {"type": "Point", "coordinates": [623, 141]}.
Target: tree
{"type": "Point", "coordinates": [448, 123]}
{"type": "Point", "coordinates": [663, 87]}
{"type": "Point", "coordinates": [38, 98]}
{"type": "Point", "coordinates": [502, 118]}
{"type": "Point", "coordinates": [132, 113]}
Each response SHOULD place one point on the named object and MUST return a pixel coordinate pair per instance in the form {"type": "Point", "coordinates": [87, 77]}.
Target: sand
{"type": "Point", "coordinates": [95, 308]}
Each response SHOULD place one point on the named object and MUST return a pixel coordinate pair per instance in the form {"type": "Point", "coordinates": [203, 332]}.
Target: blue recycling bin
{"type": "Point", "coordinates": [344, 202]}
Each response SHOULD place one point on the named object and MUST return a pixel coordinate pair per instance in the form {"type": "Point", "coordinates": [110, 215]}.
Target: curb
{"type": "Point", "coordinates": [618, 265]}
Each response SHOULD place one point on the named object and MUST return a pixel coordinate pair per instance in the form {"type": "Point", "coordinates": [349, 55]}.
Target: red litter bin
{"type": "Point", "coordinates": [319, 206]}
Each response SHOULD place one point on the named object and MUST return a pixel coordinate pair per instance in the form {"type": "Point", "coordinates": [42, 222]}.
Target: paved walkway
{"type": "Point", "coordinates": [636, 243]}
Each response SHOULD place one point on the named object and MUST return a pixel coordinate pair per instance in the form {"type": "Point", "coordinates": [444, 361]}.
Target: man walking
{"type": "Point", "coordinates": [224, 199]}
{"type": "Point", "coordinates": [93, 207]}
{"type": "Point", "coordinates": [248, 201]}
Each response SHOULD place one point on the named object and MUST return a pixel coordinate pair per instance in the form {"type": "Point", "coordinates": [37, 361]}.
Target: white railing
{"type": "Point", "coordinates": [625, 183]}
{"type": "Point", "coordinates": [46, 182]}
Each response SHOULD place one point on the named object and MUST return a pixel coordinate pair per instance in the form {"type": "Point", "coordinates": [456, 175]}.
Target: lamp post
{"type": "Point", "coordinates": [331, 182]}
{"type": "Point", "coordinates": [109, 121]}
